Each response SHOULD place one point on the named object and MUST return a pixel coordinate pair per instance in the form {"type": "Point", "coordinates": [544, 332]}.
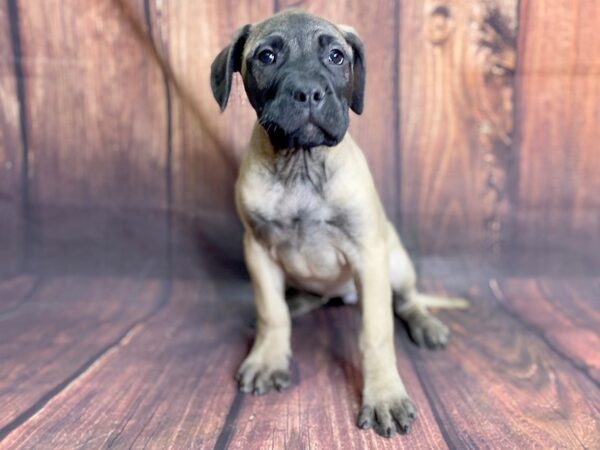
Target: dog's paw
{"type": "Point", "coordinates": [428, 331]}
{"type": "Point", "coordinates": [388, 417]}
{"type": "Point", "coordinates": [259, 377]}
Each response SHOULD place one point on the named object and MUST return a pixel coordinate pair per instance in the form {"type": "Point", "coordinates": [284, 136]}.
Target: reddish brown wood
{"type": "Point", "coordinates": [11, 149]}
{"type": "Point", "coordinates": [206, 145]}
{"type": "Point", "coordinates": [166, 380]}
{"type": "Point", "coordinates": [14, 292]}
{"type": "Point", "coordinates": [500, 385]}
{"type": "Point", "coordinates": [455, 71]}
{"type": "Point", "coordinates": [558, 112]}
{"type": "Point", "coordinates": [95, 107]}
{"type": "Point", "coordinates": [565, 312]}
{"type": "Point", "coordinates": [170, 383]}
{"type": "Point", "coordinates": [167, 384]}
{"type": "Point", "coordinates": [57, 334]}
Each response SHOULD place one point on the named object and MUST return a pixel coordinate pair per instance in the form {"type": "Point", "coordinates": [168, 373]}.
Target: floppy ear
{"type": "Point", "coordinates": [225, 64]}
{"type": "Point", "coordinates": [359, 71]}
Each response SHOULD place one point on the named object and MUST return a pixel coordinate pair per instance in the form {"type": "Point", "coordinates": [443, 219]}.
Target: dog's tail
{"type": "Point", "coordinates": [433, 301]}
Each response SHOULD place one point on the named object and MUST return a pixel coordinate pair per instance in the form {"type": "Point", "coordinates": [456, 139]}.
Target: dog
{"type": "Point", "coordinates": [312, 217]}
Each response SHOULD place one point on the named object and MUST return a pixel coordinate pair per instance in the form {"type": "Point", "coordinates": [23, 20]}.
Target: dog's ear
{"type": "Point", "coordinates": [359, 70]}
{"type": "Point", "coordinates": [225, 64]}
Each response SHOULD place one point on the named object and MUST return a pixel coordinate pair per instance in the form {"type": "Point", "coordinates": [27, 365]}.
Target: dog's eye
{"type": "Point", "coordinates": [336, 57]}
{"type": "Point", "coordinates": [266, 57]}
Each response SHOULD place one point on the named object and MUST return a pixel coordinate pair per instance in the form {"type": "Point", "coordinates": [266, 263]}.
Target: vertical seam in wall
{"type": "Point", "coordinates": [168, 149]}
{"type": "Point", "coordinates": [397, 117]}
{"type": "Point", "coordinates": [276, 6]}
{"type": "Point", "coordinates": [513, 184]}
{"type": "Point", "coordinates": [15, 38]}
{"type": "Point", "coordinates": [399, 152]}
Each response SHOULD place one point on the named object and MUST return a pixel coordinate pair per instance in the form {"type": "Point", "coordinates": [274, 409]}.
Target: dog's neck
{"type": "Point", "coordinates": [294, 166]}
{"type": "Point", "coordinates": [301, 166]}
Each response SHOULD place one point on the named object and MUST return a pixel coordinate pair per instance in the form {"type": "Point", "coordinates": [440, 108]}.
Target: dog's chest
{"type": "Point", "coordinates": [293, 215]}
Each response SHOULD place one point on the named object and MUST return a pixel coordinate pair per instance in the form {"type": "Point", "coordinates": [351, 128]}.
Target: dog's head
{"type": "Point", "coordinates": [301, 74]}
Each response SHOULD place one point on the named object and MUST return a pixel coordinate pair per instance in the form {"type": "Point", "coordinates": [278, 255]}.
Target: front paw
{"type": "Point", "coordinates": [388, 416]}
{"type": "Point", "coordinates": [259, 375]}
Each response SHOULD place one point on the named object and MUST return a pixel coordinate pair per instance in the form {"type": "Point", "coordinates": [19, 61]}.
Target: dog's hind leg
{"type": "Point", "coordinates": [411, 305]}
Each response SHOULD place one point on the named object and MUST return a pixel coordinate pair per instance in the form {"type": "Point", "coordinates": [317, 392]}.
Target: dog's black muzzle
{"type": "Point", "coordinates": [305, 112]}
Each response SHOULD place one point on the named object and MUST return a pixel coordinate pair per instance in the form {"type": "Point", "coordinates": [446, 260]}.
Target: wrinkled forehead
{"type": "Point", "coordinates": [300, 31]}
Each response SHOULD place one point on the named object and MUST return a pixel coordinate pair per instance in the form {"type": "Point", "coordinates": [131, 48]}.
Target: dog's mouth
{"type": "Point", "coordinates": [309, 134]}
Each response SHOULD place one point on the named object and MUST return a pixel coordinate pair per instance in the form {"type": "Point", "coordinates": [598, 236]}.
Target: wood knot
{"type": "Point", "coordinates": [439, 24]}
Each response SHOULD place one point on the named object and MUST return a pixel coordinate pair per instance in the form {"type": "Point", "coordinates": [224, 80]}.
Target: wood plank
{"type": "Point", "coordinates": [566, 312]}
{"type": "Point", "coordinates": [168, 384]}
{"type": "Point", "coordinates": [59, 333]}
{"type": "Point", "coordinates": [190, 352]}
{"type": "Point", "coordinates": [456, 85]}
{"type": "Point", "coordinates": [558, 112]}
{"type": "Point", "coordinates": [207, 146]}
{"type": "Point", "coordinates": [95, 107]}
{"type": "Point", "coordinates": [99, 241]}
{"type": "Point", "coordinates": [375, 130]}
{"type": "Point", "coordinates": [499, 385]}
{"type": "Point", "coordinates": [11, 149]}
{"type": "Point", "coordinates": [14, 292]}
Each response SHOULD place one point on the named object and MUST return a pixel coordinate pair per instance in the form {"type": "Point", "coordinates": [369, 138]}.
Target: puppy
{"type": "Point", "coordinates": [312, 217]}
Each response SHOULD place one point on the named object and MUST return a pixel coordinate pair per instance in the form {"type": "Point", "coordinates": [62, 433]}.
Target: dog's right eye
{"type": "Point", "coordinates": [266, 57]}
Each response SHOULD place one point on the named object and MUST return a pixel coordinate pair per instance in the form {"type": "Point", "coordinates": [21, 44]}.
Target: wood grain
{"type": "Point", "coordinates": [162, 376]}
{"type": "Point", "coordinates": [14, 292]}
{"type": "Point", "coordinates": [169, 384]}
{"type": "Point", "coordinates": [558, 112]}
{"type": "Point", "coordinates": [500, 374]}
{"type": "Point", "coordinates": [376, 129]}
{"type": "Point", "coordinates": [565, 312]}
{"type": "Point", "coordinates": [95, 107]}
{"type": "Point", "coordinates": [206, 145]}
{"type": "Point", "coordinates": [456, 87]}
{"type": "Point", "coordinates": [58, 333]}
{"type": "Point", "coordinates": [190, 351]}
{"type": "Point", "coordinates": [11, 146]}
{"type": "Point", "coordinates": [143, 131]}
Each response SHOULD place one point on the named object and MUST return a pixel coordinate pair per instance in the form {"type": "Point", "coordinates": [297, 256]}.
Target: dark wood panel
{"type": "Point", "coordinates": [456, 87]}
{"type": "Point", "coordinates": [95, 106]}
{"type": "Point", "coordinates": [169, 384]}
{"type": "Point", "coordinates": [558, 111]}
{"type": "Point", "coordinates": [207, 145]}
{"type": "Point", "coordinates": [98, 241]}
{"type": "Point", "coordinates": [14, 292]}
{"type": "Point", "coordinates": [565, 312]}
{"type": "Point", "coordinates": [99, 361]}
{"type": "Point", "coordinates": [191, 351]}
{"type": "Point", "coordinates": [59, 333]}
{"type": "Point", "coordinates": [11, 149]}
{"type": "Point", "coordinates": [375, 130]}
{"type": "Point", "coordinates": [500, 385]}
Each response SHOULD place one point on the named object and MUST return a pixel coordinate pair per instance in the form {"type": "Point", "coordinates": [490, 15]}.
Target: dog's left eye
{"type": "Point", "coordinates": [266, 57]}
{"type": "Point", "coordinates": [336, 57]}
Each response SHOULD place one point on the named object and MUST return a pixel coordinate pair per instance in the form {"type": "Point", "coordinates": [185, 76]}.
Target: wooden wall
{"type": "Point", "coordinates": [480, 124]}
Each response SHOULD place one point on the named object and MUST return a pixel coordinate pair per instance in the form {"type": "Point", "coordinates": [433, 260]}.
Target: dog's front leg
{"type": "Point", "coordinates": [386, 405]}
{"type": "Point", "coordinates": [267, 365]}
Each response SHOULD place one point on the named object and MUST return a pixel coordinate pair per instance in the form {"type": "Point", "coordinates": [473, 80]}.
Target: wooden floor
{"type": "Point", "coordinates": [135, 360]}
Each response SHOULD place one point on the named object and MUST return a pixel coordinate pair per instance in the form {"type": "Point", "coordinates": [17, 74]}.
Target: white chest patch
{"type": "Point", "coordinates": [310, 238]}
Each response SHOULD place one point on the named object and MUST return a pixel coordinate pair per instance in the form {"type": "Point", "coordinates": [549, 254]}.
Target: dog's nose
{"type": "Point", "coordinates": [310, 94]}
